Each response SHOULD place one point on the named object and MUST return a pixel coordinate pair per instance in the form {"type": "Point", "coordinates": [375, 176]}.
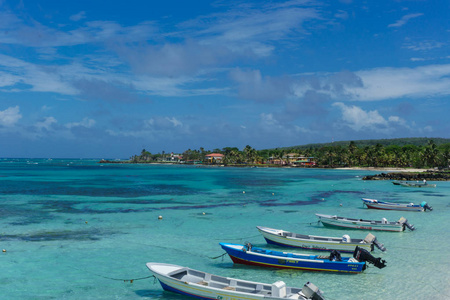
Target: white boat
{"type": "Point", "coordinates": [199, 284]}
{"type": "Point", "coordinates": [417, 184]}
{"type": "Point", "coordinates": [383, 225]}
{"type": "Point", "coordinates": [322, 243]}
{"type": "Point", "coordinates": [376, 204]}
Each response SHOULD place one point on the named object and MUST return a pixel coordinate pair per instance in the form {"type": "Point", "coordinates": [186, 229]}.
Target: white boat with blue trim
{"type": "Point", "coordinates": [321, 243]}
{"type": "Point", "coordinates": [376, 204]}
{"type": "Point", "coordinates": [203, 285]}
{"type": "Point", "coordinates": [382, 225]}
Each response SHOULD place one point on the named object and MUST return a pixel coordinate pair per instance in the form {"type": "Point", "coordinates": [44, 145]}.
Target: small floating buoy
{"type": "Point", "coordinates": [273, 194]}
{"type": "Point", "coordinates": [243, 192]}
{"type": "Point", "coordinates": [4, 250]}
{"type": "Point", "coordinates": [86, 222]}
{"type": "Point", "coordinates": [204, 213]}
{"type": "Point", "coordinates": [160, 218]}
{"type": "Point", "coordinates": [340, 204]}
{"type": "Point", "coordinates": [323, 199]}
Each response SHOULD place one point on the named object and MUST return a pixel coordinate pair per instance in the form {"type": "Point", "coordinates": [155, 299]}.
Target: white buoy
{"type": "Point", "coordinates": [243, 192]}
{"type": "Point", "coordinates": [273, 194]}
{"type": "Point", "coordinates": [4, 250]}
{"type": "Point", "coordinates": [340, 204]}
{"type": "Point", "coordinates": [160, 218]}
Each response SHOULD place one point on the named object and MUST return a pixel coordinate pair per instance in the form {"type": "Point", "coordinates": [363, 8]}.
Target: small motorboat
{"type": "Point", "coordinates": [249, 255]}
{"type": "Point", "coordinates": [383, 225]}
{"type": "Point", "coordinates": [376, 204]}
{"type": "Point", "coordinates": [203, 285]}
{"type": "Point", "coordinates": [322, 243]}
{"type": "Point", "coordinates": [418, 184]}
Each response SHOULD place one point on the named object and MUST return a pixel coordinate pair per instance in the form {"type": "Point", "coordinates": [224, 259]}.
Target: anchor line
{"type": "Point", "coordinates": [120, 279]}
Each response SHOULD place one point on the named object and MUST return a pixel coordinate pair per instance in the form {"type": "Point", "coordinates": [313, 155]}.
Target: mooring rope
{"type": "Point", "coordinates": [238, 239]}
{"type": "Point", "coordinates": [216, 257]}
{"type": "Point", "coordinates": [118, 279]}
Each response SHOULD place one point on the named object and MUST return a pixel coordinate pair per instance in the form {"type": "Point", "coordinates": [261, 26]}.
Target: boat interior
{"type": "Point", "coordinates": [277, 289]}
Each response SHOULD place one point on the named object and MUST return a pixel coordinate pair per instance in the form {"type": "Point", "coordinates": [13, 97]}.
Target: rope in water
{"type": "Point", "coordinates": [222, 255]}
{"type": "Point", "coordinates": [119, 279]}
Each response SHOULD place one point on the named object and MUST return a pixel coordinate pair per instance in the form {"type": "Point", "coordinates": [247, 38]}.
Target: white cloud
{"type": "Point", "coordinates": [423, 45]}
{"type": "Point", "coordinates": [174, 121]}
{"type": "Point", "coordinates": [86, 122]}
{"type": "Point", "coordinates": [360, 120]}
{"type": "Point", "coordinates": [46, 124]}
{"type": "Point", "coordinates": [10, 116]}
{"type": "Point", "coordinates": [390, 83]}
{"type": "Point", "coordinates": [78, 16]}
{"type": "Point", "coordinates": [404, 20]}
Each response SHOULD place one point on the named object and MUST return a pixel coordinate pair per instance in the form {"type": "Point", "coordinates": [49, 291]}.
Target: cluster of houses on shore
{"type": "Point", "coordinates": [290, 159]}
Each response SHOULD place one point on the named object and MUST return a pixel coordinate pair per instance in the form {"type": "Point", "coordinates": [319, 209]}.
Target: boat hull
{"type": "Point", "coordinates": [202, 285]}
{"type": "Point", "coordinates": [273, 238]}
{"type": "Point", "coordinates": [375, 204]}
{"type": "Point", "coordinates": [360, 224]}
{"type": "Point", "coordinates": [238, 255]}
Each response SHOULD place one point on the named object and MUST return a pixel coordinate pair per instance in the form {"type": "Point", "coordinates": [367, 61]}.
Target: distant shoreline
{"type": "Point", "coordinates": [400, 170]}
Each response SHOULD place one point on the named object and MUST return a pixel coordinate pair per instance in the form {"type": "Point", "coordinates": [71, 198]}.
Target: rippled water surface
{"type": "Point", "coordinates": [77, 229]}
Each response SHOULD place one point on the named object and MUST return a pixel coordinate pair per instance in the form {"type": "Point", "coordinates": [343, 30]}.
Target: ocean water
{"type": "Point", "coordinates": [77, 229]}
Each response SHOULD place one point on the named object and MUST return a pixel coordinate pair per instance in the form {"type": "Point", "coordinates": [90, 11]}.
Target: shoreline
{"type": "Point", "coordinates": [379, 169]}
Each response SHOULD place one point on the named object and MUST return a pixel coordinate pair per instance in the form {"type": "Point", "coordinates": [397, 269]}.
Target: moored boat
{"type": "Point", "coordinates": [322, 243]}
{"type": "Point", "coordinates": [376, 204]}
{"type": "Point", "coordinates": [203, 285]}
{"type": "Point", "coordinates": [417, 184]}
{"type": "Point", "coordinates": [383, 225]}
{"type": "Point", "coordinates": [249, 255]}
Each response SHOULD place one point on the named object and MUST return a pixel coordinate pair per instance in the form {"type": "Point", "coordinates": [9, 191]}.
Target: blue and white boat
{"type": "Point", "coordinates": [249, 255]}
{"type": "Point", "coordinates": [376, 204]}
{"type": "Point", "coordinates": [203, 285]}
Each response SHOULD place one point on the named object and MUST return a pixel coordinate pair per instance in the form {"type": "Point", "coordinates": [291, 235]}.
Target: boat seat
{"type": "Point", "coordinates": [202, 282]}
{"type": "Point", "coordinates": [323, 257]}
{"type": "Point", "coordinates": [229, 288]}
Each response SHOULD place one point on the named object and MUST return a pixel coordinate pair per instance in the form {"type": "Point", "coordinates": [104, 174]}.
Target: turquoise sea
{"type": "Point", "coordinates": [77, 229]}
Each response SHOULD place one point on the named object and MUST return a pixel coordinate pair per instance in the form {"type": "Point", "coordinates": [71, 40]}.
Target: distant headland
{"type": "Point", "coordinates": [405, 158]}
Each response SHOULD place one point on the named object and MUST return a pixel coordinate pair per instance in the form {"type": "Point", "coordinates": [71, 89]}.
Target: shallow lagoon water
{"type": "Point", "coordinates": [77, 229]}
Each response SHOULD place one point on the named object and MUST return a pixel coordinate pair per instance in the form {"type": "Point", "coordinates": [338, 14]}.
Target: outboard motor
{"type": "Point", "coordinates": [312, 292]}
{"type": "Point", "coordinates": [335, 256]}
{"type": "Point", "coordinates": [405, 223]}
{"type": "Point", "coordinates": [362, 255]}
{"type": "Point", "coordinates": [371, 239]}
{"type": "Point", "coordinates": [379, 245]}
{"type": "Point", "coordinates": [425, 206]}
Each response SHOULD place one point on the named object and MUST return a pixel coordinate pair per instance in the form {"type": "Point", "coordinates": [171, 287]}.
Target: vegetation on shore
{"type": "Point", "coordinates": [393, 153]}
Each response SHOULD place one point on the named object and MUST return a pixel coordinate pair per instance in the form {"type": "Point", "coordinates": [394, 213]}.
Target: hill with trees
{"type": "Point", "coordinates": [399, 153]}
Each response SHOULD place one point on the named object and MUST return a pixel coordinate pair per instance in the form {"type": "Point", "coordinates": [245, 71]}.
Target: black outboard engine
{"type": "Point", "coordinates": [335, 256]}
{"type": "Point", "coordinates": [405, 223]}
{"type": "Point", "coordinates": [379, 245]}
{"type": "Point", "coordinates": [362, 255]}
{"type": "Point", "coordinates": [425, 206]}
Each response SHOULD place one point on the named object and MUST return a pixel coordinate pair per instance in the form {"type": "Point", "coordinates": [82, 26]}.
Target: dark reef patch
{"type": "Point", "coordinates": [78, 189]}
{"type": "Point", "coordinates": [62, 235]}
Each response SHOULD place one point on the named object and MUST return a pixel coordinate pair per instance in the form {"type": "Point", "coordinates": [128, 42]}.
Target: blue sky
{"type": "Point", "coordinates": [105, 79]}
